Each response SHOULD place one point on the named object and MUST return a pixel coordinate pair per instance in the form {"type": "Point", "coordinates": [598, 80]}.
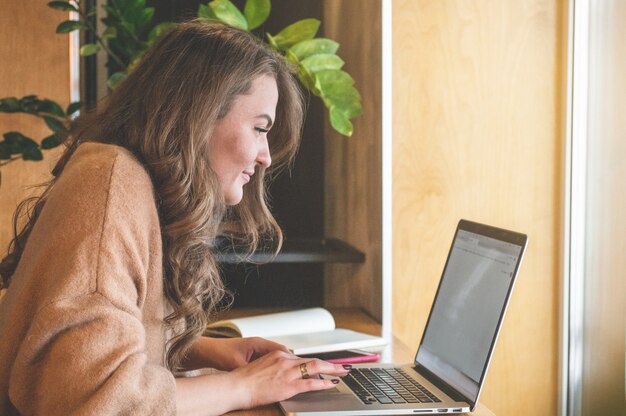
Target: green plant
{"type": "Point", "coordinates": [16, 145]}
{"type": "Point", "coordinates": [129, 32]}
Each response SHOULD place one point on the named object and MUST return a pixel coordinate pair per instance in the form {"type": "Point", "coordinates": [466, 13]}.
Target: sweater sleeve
{"type": "Point", "coordinates": [85, 356]}
{"type": "Point", "coordinates": [85, 348]}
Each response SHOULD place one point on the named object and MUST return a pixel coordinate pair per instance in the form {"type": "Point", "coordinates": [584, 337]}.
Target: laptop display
{"type": "Point", "coordinates": [469, 305]}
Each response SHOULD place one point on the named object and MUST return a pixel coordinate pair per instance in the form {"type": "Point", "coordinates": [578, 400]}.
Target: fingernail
{"type": "Point", "coordinates": [347, 366]}
{"type": "Point", "coordinates": [335, 381]}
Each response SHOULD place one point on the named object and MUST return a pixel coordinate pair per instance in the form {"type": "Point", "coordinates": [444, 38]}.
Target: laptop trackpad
{"type": "Point", "coordinates": [323, 400]}
{"type": "Point", "coordinates": [316, 395]}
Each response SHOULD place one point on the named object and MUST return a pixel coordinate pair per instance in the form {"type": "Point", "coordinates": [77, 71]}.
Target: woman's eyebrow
{"type": "Point", "coordinates": [266, 117]}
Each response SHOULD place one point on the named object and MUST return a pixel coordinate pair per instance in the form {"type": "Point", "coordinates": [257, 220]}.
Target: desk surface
{"type": "Point", "coordinates": [395, 352]}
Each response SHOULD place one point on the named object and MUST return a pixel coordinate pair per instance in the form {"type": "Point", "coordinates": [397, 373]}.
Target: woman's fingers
{"type": "Point", "coordinates": [263, 346]}
{"type": "Point", "coordinates": [313, 384]}
{"type": "Point", "coordinates": [313, 368]}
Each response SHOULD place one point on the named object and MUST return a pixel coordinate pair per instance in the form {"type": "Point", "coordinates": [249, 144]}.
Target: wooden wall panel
{"type": "Point", "coordinates": [353, 170]}
{"type": "Point", "coordinates": [478, 105]}
{"type": "Point", "coordinates": [34, 60]}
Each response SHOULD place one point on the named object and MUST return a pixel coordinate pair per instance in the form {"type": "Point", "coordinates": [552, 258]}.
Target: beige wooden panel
{"type": "Point", "coordinates": [478, 103]}
{"type": "Point", "coordinates": [34, 60]}
{"type": "Point", "coordinates": [353, 183]}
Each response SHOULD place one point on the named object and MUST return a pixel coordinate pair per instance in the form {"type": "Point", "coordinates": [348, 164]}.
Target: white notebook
{"type": "Point", "coordinates": [305, 331]}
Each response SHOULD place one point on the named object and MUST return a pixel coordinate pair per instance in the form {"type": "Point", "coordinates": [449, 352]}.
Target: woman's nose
{"type": "Point", "coordinates": [263, 158]}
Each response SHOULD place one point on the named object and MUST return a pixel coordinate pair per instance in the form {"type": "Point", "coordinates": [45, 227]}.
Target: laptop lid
{"type": "Point", "coordinates": [469, 306]}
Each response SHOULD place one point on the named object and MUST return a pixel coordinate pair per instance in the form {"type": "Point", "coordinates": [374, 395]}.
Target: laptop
{"type": "Point", "coordinates": [452, 359]}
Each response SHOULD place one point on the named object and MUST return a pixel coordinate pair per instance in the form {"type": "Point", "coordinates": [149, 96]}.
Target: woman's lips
{"type": "Point", "coordinates": [247, 175]}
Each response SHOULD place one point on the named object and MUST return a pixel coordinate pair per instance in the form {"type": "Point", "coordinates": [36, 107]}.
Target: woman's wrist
{"type": "Point", "coordinates": [214, 394]}
{"type": "Point", "coordinates": [198, 355]}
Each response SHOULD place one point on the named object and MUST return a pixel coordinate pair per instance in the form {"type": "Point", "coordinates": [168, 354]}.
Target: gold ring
{"type": "Point", "coordinates": [303, 370]}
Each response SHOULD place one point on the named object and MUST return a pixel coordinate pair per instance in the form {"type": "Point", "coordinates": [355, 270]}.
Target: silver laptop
{"type": "Point", "coordinates": [457, 344]}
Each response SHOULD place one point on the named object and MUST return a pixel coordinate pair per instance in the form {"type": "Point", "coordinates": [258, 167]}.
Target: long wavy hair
{"type": "Point", "coordinates": [165, 113]}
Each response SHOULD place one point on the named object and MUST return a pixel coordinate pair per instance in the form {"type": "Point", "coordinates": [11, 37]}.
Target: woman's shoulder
{"type": "Point", "coordinates": [102, 160]}
{"type": "Point", "coordinates": [102, 176]}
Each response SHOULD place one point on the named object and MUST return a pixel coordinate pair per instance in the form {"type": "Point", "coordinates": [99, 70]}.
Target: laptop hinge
{"type": "Point", "coordinates": [441, 385]}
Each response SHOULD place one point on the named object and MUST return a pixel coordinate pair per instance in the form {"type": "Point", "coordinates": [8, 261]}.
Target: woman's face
{"type": "Point", "coordinates": [239, 142]}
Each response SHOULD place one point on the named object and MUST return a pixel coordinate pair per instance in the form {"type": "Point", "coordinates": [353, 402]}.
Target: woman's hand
{"type": "Point", "coordinates": [271, 378]}
{"type": "Point", "coordinates": [229, 353]}
{"type": "Point", "coordinates": [232, 353]}
{"type": "Point", "coordinates": [278, 376]}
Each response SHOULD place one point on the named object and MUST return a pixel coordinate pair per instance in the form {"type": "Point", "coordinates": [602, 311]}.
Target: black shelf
{"type": "Point", "coordinates": [328, 250]}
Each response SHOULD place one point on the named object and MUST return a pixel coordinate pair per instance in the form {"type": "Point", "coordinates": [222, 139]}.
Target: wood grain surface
{"type": "Point", "coordinates": [478, 118]}
{"type": "Point", "coordinates": [353, 165]}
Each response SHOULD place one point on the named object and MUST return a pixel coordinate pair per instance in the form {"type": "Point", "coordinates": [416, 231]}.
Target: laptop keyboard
{"type": "Point", "coordinates": [387, 386]}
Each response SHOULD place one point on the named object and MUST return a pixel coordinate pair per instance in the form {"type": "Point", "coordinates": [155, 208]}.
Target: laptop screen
{"type": "Point", "coordinates": [469, 306]}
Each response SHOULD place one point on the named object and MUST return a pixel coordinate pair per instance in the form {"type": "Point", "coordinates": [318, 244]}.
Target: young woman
{"type": "Point", "coordinates": [113, 278]}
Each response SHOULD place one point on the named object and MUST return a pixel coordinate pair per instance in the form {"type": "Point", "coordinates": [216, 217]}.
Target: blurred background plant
{"type": "Point", "coordinates": [129, 31]}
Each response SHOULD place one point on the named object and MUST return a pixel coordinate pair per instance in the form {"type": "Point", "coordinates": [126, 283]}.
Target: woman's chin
{"type": "Point", "coordinates": [233, 198]}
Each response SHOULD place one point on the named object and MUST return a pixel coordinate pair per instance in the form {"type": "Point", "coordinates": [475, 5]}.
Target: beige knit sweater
{"type": "Point", "coordinates": [81, 326]}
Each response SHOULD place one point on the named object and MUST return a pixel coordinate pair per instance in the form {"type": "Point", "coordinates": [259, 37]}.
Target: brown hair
{"type": "Point", "coordinates": [164, 113]}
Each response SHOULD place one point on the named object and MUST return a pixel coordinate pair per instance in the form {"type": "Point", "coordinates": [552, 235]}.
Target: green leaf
{"type": "Point", "coordinates": [340, 122]}
{"type": "Point", "coordinates": [115, 79]}
{"type": "Point", "coordinates": [109, 33]}
{"type": "Point", "coordinates": [73, 107]}
{"type": "Point", "coordinates": [54, 124]}
{"type": "Point", "coordinates": [331, 78]}
{"type": "Point", "coordinates": [13, 141]}
{"type": "Point", "coordinates": [30, 104]}
{"type": "Point", "coordinates": [32, 153]}
{"type": "Point", "coordinates": [289, 56]}
{"type": "Point", "coordinates": [338, 91]}
{"type": "Point", "coordinates": [133, 63]}
{"type": "Point", "coordinates": [145, 17]}
{"type": "Point", "coordinates": [129, 26]}
{"type": "Point", "coordinates": [27, 142]}
{"type": "Point", "coordinates": [347, 100]}
{"type": "Point", "coordinates": [271, 41]}
{"type": "Point", "coordinates": [306, 48]}
{"type": "Point", "coordinates": [50, 142]}
{"type": "Point", "coordinates": [63, 6]}
{"type": "Point", "coordinates": [16, 143]}
{"type": "Point", "coordinates": [319, 62]}
{"type": "Point", "coordinates": [70, 25]}
{"type": "Point", "coordinates": [160, 30]}
{"type": "Point", "coordinates": [9, 105]}
{"type": "Point", "coordinates": [256, 12]}
{"type": "Point", "coordinates": [89, 49]}
{"type": "Point", "coordinates": [51, 107]}
{"type": "Point", "coordinates": [296, 32]}
{"type": "Point", "coordinates": [4, 153]}
{"type": "Point", "coordinates": [308, 80]}
{"type": "Point", "coordinates": [228, 13]}
{"type": "Point", "coordinates": [111, 12]}
{"type": "Point", "coordinates": [205, 12]}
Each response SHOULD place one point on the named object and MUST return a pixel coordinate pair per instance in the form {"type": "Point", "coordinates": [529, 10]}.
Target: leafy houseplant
{"type": "Point", "coordinates": [130, 31]}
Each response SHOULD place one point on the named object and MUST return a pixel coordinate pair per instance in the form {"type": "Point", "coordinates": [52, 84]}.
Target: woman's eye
{"type": "Point", "coordinates": [261, 130]}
